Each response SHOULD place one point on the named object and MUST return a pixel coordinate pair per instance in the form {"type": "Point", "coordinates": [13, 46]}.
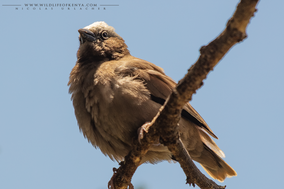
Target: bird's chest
{"type": "Point", "coordinates": [117, 106]}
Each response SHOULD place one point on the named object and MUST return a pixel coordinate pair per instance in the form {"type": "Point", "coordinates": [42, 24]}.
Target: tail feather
{"type": "Point", "coordinates": [222, 172]}
{"type": "Point", "coordinates": [216, 167]}
{"type": "Point", "coordinates": [210, 143]}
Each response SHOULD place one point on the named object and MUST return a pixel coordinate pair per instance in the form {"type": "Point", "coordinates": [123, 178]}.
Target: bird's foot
{"type": "Point", "coordinates": [142, 129]}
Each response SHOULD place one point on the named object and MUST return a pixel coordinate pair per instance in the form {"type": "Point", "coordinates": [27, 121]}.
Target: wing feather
{"type": "Point", "coordinates": [160, 87]}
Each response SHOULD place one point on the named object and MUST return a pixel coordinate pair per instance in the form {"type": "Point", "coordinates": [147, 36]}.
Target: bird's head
{"type": "Point", "coordinates": [99, 41]}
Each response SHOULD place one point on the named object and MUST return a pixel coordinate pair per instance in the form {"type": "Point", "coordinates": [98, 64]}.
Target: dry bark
{"type": "Point", "coordinates": [165, 123]}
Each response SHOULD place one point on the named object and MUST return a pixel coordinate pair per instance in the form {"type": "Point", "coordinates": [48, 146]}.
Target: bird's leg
{"type": "Point", "coordinates": [142, 129]}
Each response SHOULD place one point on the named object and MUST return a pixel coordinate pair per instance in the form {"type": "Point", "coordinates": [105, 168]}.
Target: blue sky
{"type": "Point", "coordinates": [241, 100]}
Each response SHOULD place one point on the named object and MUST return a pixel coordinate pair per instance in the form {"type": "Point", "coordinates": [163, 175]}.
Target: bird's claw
{"type": "Point", "coordinates": [142, 129]}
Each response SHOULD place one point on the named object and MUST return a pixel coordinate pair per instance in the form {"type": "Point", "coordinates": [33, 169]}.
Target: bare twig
{"type": "Point", "coordinates": [169, 114]}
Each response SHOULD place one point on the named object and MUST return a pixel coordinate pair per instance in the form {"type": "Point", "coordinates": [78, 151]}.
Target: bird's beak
{"type": "Point", "coordinates": [86, 35]}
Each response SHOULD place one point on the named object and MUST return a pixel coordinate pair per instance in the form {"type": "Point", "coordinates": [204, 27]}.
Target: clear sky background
{"type": "Point", "coordinates": [241, 100]}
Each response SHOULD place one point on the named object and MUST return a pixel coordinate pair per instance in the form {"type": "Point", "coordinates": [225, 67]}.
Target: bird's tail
{"type": "Point", "coordinates": [211, 160]}
{"type": "Point", "coordinates": [220, 170]}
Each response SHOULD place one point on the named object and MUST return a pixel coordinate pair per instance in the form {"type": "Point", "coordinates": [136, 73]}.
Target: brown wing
{"type": "Point", "coordinates": [160, 87]}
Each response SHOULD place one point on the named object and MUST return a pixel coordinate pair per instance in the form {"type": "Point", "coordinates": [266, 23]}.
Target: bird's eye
{"type": "Point", "coordinates": [104, 35]}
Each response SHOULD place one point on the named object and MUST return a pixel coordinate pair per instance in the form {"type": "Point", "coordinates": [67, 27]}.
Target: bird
{"type": "Point", "coordinates": [115, 93]}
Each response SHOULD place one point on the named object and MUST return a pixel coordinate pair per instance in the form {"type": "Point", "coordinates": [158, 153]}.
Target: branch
{"type": "Point", "coordinates": [165, 122]}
